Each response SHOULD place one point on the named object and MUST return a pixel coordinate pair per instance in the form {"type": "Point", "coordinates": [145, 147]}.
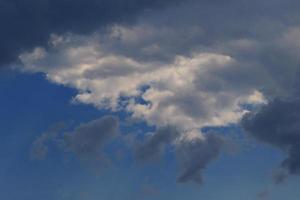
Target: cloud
{"type": "Point", "coordinates": [280, 176]}
{"type": "Point", "coordinates": [87, 140]}
{"type": "Point", "coordinates": [176, 94]}
{"type": "Point", "coordinates": [264, 194]}
{"type": "Point", "coordinates": [26, 25]}
{"type": "Point", "coordinates": [278, 124]}
{"type": "Point", "coordinates": [195, 76]}
{"type": "Point", "coordinates": [200, 69]}
{"type": "Point", "coordinates": [195, 154]}
{"type": "Point", "coordinates": [154, 145]}
{"type": "Point", "coordinates": [193, 150]}
{"type": "Point", "coordinates": [39, 148]}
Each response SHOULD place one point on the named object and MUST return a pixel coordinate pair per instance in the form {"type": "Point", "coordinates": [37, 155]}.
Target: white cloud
{"type": "Point", "coordinates": [176, 95]}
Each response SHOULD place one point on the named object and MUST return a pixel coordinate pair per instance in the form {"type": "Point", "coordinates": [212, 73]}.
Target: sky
{"type": "Point", "coordinates": [143, 100]}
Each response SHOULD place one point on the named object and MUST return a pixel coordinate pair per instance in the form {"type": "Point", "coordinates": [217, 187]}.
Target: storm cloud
{"type": "Point", "coordinates": [29, 24]}
{"type": "Point", "coordinates": [278, 124]}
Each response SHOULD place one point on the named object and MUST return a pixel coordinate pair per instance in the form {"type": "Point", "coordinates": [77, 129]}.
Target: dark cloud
{"type": "Point", "coordinates": [263, 194]}
{"type": "Point", "coordinates": [278, 124]}
{"type": "Point", "coordinates": [87, 140]}
{"type": "Point", "coordinates": [155, 144]}
{"type": "Point", "coordinates": [26, 24]}
{"type": "Point", "coordinates": [280, 176]}
{"type": "Point", "coordinates": [194, 156]}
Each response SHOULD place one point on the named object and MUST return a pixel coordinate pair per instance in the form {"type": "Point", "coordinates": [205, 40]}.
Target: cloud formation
{"type": "Point", "coordinates": [176, 92]}
{"type": "Point", "coordinates": [200, 69]}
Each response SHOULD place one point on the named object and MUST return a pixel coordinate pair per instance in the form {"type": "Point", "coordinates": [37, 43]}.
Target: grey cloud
{"type": "Point", "coordinates": [194, 156]}
{"type": "Point", "coordinates": [155, 144]}
{"type": "Point", "coordinates": [280, 176]}
{"type": "Point", "coordinates": [263, 194]}
{"type": "Point", "coordinates": [278, 124]}
{"type": "Point", "coordinates": [205, 26]}
{"type": "Point", "coordinates": [28, 24]}
{"type": "Point", "coordinates": [87, 140]}
{"type": "Point", "coordinates": [108, 71]}
{"type": "Point", "coordinates": [39, 149]}
{"type": "Point", "coordinates": [263, 43]}
{"type": "Point", "coordinates": [266, 58]}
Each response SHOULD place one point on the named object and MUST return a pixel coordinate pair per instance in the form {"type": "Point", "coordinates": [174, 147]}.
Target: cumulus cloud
{"type": "Point", "coordinates": [176, 93]}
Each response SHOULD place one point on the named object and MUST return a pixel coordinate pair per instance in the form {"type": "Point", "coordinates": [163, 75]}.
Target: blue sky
{"type": "Point", "coordinates": [142, 100]}
{"type": "Point", "coordinates": [58, 176]}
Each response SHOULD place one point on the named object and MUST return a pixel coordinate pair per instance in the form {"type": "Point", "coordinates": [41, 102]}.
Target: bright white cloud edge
{"type": "Point", "coordinates": [173, 96]}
